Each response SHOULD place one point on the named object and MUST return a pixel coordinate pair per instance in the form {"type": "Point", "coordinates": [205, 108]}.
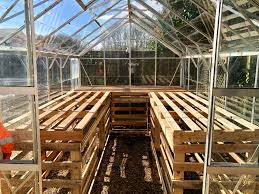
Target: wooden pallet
{"type": "Point", "coordinates": [179, 124]}
{"type": "Point", "coordinates": [74, 128]}
{"type": "Point", "coordinates": [129, 111]}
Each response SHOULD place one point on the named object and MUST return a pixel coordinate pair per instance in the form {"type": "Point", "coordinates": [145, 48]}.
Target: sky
{"type": "Point", "coordinates": [64, 11]}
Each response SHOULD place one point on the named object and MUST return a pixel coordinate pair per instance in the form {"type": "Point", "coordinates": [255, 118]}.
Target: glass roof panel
{"type": "Point", "coordinates": [240, 26]}
{"type": "Point", "coordinates": [12, 29]}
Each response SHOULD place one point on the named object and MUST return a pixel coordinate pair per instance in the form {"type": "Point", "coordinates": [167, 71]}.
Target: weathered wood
{"type": "Point", "coordinates": [181, 148]}
{"type": "Point", "coordinates": [62, 135]}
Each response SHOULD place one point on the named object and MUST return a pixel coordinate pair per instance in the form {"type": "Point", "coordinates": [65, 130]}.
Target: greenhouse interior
{"type": "Point", "coordinates": [129, 96]}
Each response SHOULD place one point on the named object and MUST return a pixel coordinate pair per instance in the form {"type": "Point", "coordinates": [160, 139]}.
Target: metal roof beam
{"type": "Point", "coordinates": [153, 21]}
{"type": "Point", "coordinates": [86, 25]}
{"type": "Point", "coordinates": [61, 26]}
{"type": "Point", "coordinates": [21, 12]}
{"type": "Point", "coordinates": [96, 29]}
{"type": "Point", "coordinates": [174, 12]}
{"type": "Point", "coordinates": [85, 7]}
{"type": "Point", "coordinates": [166, 23]}
{"type": "Point", "coordinates": [104, 31]}
{"type": "Point", "coordinates": [9, 9]}
{"type": "Point", "coordinates": [102, 38]}
{"type": "Point", "coordinates": [176, 50]}
{"type": "Point", "coordinates": [156, 36]}
{"type": "Point", "coordinates": [8, 37]}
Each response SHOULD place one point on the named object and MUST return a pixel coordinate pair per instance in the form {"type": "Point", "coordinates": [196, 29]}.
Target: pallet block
{"type": "Point", "coordinates": [178, 128]}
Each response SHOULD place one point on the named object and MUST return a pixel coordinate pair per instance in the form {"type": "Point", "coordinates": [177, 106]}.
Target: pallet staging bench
{"type": "Point", "coordinates": [178, 125]}
{"type": "Point", "coordinates": [75, 126]}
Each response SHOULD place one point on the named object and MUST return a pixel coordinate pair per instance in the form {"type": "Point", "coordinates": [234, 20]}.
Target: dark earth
{"type": "Point", "coordinates": [128, 167]}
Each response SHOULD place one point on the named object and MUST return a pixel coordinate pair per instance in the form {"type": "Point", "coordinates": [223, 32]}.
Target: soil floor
{"type": "Point", "coordinates": [128, 167]}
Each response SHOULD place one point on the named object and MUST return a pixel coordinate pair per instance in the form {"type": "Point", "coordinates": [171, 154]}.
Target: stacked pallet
{"type": "Point", "coordinates": [129, 111]}
{"type": "Point", "coordinates": [74, 128]}
{"type": "Point", "coordinates": [179, 124]}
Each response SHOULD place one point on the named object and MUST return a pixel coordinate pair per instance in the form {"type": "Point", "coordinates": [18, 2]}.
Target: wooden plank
{"type": "Point", "coordinates": [129, 116]}
{"type": "Point", "coordinates": [62, 135]}
{"type": "Point", "coordinates": [67, 101]}
{"type": "Point", "coordinates": [75, 156]}
{"type": "Point", "coordinates": [226, 123]}
{"type": "Point", "coordinates": [233, 170]}
{"type": "Point", "coordinates": [121, 94]}
{"type": "Point", "coordinates": [192, 111]}
{"type": "Point", "coordinates": [55, 100]}
{"type": "Point", "coordinates": [92, 130]}
{"type": "Point", "coordinates": [187, 184]}
{"type": "Point", "coordinates": [83, 123]}
{"type": "Point", "coordinates": [167, 164]}
{"type": "Point", "coordinates": [14, 121]}
{"type": "Point", "coordinates": [58, 106]}
{"type": "Point", "coordinates": [66, 122]}
{"type": "Point", "coordinates": [188, 166]}
{"type": "Point", "coordinates": [66, 165]}
{"type": "Point", "coordinates": [61, 183]}
{"type": "Point", "coordinates": [55, 146]}
{"type": "Point", "coordinates": [192, 126]}
{"type": "Point", "coordinates": [217, 148]}
{"type": "Point", "coordinates": [218, 136]}
{"type": "Point", "coordinates": [230, 115]}
{"type": "Point", "coordinates": [128, 108]}
{"type": "Point", "coordinates": [127, 123]}
{"type": "Point", "coordinates": [162, 110]}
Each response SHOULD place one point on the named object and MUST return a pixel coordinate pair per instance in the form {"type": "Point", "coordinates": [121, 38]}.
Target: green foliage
{"type": "Point", "coordinates": [186, 9]}
{"type": "Point", "coordinates": [242, 72]}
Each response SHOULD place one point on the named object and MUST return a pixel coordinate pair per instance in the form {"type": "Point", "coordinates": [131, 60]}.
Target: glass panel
{"type": "Point", "coordinates": [18, 182]}
{"type": "Point", "coordinates": [14, 70]}
{"type": "Point", "coordinates": [74, 69]}
{"type": "Point", "coordinates": [143, 72]}
{"type": "Point", "coordinates": [17, 117]}
{"type": "Point", "coordinates": [42, 79]}
{"type": "Point", "coordinates": [54, 77]}
{"type": "Point", "coordinates": [11, 33]}
{"type": "Point", "coordinates": [167, 70]}
{"type": "Point", "coordinates": [227, 183]}
{"type": "Point", "coordinates": [193, 74]}
{"type": "Point", "coordinates": [117, 72]}
{"type": "Point", "coordinates": [241, 71]}
{"type": "Point", "coordinates": [66, 75]}
{"type": "Point", "coordinates": [93, 70]}
{"type": "Point", "coordinates": [162, 51]}
{"type": "Point", "coordinates": [233, 128]}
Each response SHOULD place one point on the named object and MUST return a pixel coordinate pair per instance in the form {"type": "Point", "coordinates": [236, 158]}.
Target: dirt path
{"type": "Point", "coordinates": [128, 167]}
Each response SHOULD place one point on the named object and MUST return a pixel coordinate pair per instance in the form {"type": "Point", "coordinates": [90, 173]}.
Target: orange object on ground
{"type": "Point", "coordinates": [6, 142]}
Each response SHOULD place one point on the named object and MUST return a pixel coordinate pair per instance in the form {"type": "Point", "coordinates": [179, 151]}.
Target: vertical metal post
{"type": "Point", "coordinates": [80, 74]}
{"type": "Point", "coordinates": [48, 80]}
{"type": "Point", "coordinates": [61, 76]}
{"type": "Point", "coordinates": [29, 22]}
{"type": "Point", "coordinates": [104, 63]}
{"type": "Point", "coordinates": [155, 60]}
{"type": "Point", "coordinates": [226, 80]}
{"type": "Point", "coordinates": [211, 98]}
{"type": "Point", "coordinates": [129, 45]}
{"type": "Point", "coordinates": [255, 86]}
{"type": "Point", "coordinates": [188, 81]}
{"type": "Point", "coordinates": [181, 73]}
{"type": "Point", "coordinates": [184, 73]}
{"type": "Point", "coordinates": [197, 76]}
